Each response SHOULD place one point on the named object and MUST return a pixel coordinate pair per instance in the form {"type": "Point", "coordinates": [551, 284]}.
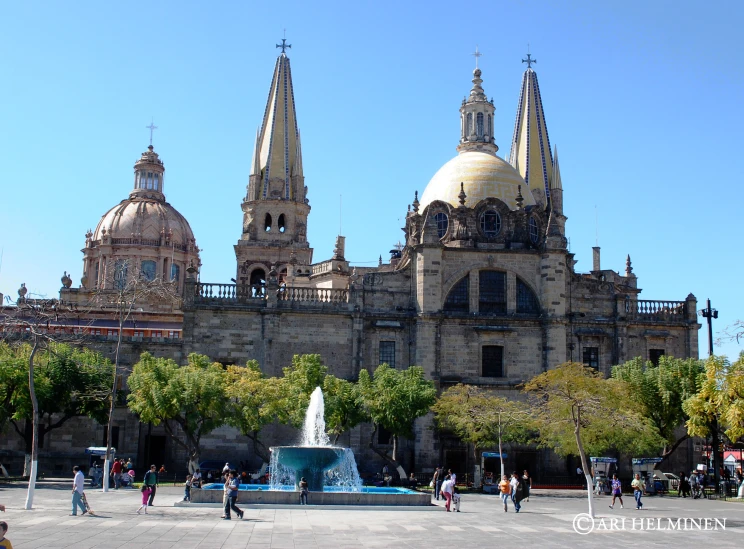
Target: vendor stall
{"type": "Point", "coordinates": [602, 469]}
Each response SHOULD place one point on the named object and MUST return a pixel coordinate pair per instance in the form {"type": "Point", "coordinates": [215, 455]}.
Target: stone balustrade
{"type": "Point", "coordinates": [237, 294]}
{"type": "Point", "coordinates": [314, 295]}
{"type": "Point", "coordinates": [660, 309]}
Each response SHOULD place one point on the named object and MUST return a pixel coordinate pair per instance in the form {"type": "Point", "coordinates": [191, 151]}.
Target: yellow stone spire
{"type": "Point", "coordinates": [276, 166]}
{"type": "Point", "coordinates": [530, 147]}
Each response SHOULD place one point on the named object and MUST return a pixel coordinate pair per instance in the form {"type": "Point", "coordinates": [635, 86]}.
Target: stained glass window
{"type": "Point", "coordinates": [458, 299]}
{"type": "Point", "coordinates": [492, 286]}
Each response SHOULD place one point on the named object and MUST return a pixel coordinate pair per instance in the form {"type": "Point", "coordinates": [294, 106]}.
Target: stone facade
{"type": "Point", "coordinates": [483, 290]}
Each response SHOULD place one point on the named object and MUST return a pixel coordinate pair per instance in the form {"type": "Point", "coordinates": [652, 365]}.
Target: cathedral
{"type": "Point", "coordinates": [482, 291]}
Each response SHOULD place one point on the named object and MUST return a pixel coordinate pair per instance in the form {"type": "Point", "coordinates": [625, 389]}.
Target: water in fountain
{"type": "Point", "coordinates": [341, 472]}
{"type": "Point", "coordinates": [314, 429]}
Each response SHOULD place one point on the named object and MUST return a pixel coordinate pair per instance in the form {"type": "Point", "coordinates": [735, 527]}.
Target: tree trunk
{"type": "Point", "coordinates": [395, 447]}
{"type": "Point", "coordinates": [109, 428]}
{"type": "Point", "coordinates": [501, 451]}
{"type": "Point", "coordinates": [35, 427]}
{"type": "Point", "coordinates": [584, 465]}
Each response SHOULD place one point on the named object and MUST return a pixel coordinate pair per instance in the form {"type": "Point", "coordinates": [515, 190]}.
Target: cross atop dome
{"type": "Point", "coordinates": [477, 54]}
{"type": "Point", "coordinates": [151, 127]}
{"type": "Point", "coordinates": [284, 46]}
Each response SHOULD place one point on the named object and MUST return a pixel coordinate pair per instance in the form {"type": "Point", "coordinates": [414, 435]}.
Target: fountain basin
{"type": "Point", "coordinates": [310, 462]}
{"type": "Point", "coordinates": [259, 494]}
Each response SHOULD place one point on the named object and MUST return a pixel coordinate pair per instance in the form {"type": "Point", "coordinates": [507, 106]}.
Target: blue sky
{"type": "Point", "coordinates": [643, 100]}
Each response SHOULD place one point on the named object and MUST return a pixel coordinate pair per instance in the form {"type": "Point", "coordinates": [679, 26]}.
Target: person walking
{"type": "Point", "coordinates": [684, 485]}
{"type": "Point", "coordinates": [453, 476]}
{"type": "Point", "coordinates": [447, 490]}
{"type": "Point", "coordinates": [78, 487]}
{"type": "Point", "coordinates": [437, 482]}
{"type": "Point", "coordinates": [303, 491]}
{"type": "Point", "coordinates": [145, 497]}
{"type": "Point", "coordinates": [505, 488]}
{"type": "Point", "coordinates": [151, 480]}
{"type": "Point", "coordinates": [639, 488]}
{"type": "Point", "coordinates": [527, 481]}
{"type": "Point", "coordinates": [617, 491]}
{"type": "Point", "coordinates": [232, 485]}
{"type": "Point", "coordinates": [517, 491]}
{"type": "Point", "coordinates": [187, 488]}
{"type": "Point", "coordinates": [116, 473]}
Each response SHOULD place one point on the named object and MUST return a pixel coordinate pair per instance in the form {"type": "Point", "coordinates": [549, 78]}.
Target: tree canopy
{"type": "Point", "coordinates": [659, 392]}
{"type": "Point", "coordinates": [394, 399]}
{"type": "Point", "coordinates": [577, 411]}
{"type": "Point", "coordinates": [191, 397]}
{"type": "Point", "coordinates": [69, 382]}
{"type": "Point", "coordinates": [719, 400]}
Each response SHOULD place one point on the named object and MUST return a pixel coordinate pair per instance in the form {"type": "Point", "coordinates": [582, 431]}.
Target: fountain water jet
{"type": "Point", "coordinates": [315, 459]}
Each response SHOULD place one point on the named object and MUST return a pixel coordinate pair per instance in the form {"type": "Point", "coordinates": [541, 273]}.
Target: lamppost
{"type": "Point", "coordinates": [710, 313]}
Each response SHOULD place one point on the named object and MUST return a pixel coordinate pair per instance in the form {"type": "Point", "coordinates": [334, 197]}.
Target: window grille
{"type": "Point", "coordinates": [492, 286]}
{"type": "Point", "coordinates": [458, 299]}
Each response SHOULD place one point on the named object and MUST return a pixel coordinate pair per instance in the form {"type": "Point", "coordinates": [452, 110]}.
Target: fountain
{"type": "Point", "coordinates": [330, 471]}
{"type": "Point", "coordinates": [315, 459]}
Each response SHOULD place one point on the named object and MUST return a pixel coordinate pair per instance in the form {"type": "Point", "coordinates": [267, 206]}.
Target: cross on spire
{"type": "Point", "coordinates": [529, 61]}
{"type": "Point", "coordinates": [477, 54]}
{"type": "Point", "coordinates": [151, 127]}
{"type": "Point", "coordinates": [284, 45]}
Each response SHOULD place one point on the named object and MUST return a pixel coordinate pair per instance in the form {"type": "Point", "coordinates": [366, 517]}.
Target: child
{"type": "Point", "coordinates": [187, 488]}
{"type": "Point", "coordinates": [456, 499]}
{"type": "Point", "coordinates": [146, 491]}
{"type": "Point", "coordinates": [505, 489]}
{"type": "Point", "coordinates": [4, 543]}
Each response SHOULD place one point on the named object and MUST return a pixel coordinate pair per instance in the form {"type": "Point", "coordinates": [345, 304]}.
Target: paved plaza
{"type": "Point", "coordinates": [545, 521]}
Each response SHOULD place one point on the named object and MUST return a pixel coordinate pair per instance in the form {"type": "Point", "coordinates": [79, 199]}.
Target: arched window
{"type": "Point", "coordinates": [526, 299]}
{"type": "Point", "coordinates": [458, 299]}
{"type": "Point", "coordinates": [479, 124]}
{"type": "Point", "coordinates": [258, 282]}
{"type": "Point", "coordinates": [156, 186]}
{"type": "Point", "coordinates": [442, 224]}
{"type": "Point", "coordinates": [175, 274]}
{"type": "Point", "coordinates": [490, 223]}
{"type": "Point", "coordinates": [490, 126]}
{"type": "Point", "coordinates": [534, 233]}
{"type": "Point", "coordinates": [280, 223]}
{"type": "Point", "coordinates": [469, 124]}
{"type": "Point", "coordinates": [149, 180]}
{"type": "Point", "coordinates": [120, 274]}
{"type": "Point", "coordinates": [492, 289]}
{"type": "Point", "coordinates": [267, 223]}
{"type": "Point", "coordinates": [147, 270]}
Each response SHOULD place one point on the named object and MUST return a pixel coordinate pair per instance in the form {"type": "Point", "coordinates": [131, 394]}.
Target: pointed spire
{"type": "Point", "coordinates": [278, 140]}
{"type": "Point", "coordinates": [555, 181]}
{"type": "Point", "coordinates": [520, 198]}
{"type": "Point", "coordinates": [628, 267]}
{"type": "Point", "coordinates": [530, 147]}
{"type": "Point", "coordinates": [255, 163]}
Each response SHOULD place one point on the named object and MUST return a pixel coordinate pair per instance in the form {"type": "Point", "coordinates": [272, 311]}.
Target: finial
{"type": "Point", "coordinates": [284, 45]}
{"type": "Point", "coordinates": [520, 198]}
{"type": "Point", "coordinates": [379, 264]}
{"type": "Point", "coordinates": [462, 196]}
{"type": "Point", "coordinates": [628, 266]}
{"type": "Point", "coordinates": [416, 202]}
{"type": "Point", "coordinates": [477, 54]}
{"type": "Point", "coordinates": [151, 127]}
{"type": "Point", "coordinates": [529, 60]}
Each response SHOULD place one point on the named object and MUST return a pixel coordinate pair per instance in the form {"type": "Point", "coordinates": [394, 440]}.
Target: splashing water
{"type": "Point", "coordinates": [314, 429]}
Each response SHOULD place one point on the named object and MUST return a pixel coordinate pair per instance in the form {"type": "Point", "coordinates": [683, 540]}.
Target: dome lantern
{"type": "Point", "coordinates": [476, 119]}
{"type": "Point", "coordinates": [149, 173]}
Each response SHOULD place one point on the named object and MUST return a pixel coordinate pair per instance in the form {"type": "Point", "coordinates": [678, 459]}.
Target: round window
{"type": "Point", "coordinates": [534, 234]}
{"type": "Point", "coordinates": [490, 223]}
{"type": "Point", "coordinates": [442, 224]}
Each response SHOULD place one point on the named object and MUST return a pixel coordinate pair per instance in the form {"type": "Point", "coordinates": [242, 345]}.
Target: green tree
{"type": "Point", "coordinates": [69, 382]}
{"type": "Point", "coordinates": [481, 418]}
{"type": "Point", "coordinates": [577, 411]}
{"type": "Point", "coordinates": [188, 400]}
{"type": "Point", "coordinates": [254, 402]}
{"type": "Point", "coordinates": [394, 399]}
{"type": "Point", "coordinates": [718, 406]}
{"type": "Point", "coordinates": [299, 381]}
{"type": "Point", "coordinates": [342, 408]}
{"type": "Point", "coordinates": [659, 392]}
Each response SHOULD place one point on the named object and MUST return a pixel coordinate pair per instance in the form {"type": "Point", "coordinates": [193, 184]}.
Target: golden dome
{"type": "Point", "coordinates": [483, 175]}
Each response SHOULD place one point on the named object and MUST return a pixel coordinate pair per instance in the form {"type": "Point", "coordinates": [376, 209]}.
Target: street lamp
{"type": "Point", "coordinates": [710, 314]}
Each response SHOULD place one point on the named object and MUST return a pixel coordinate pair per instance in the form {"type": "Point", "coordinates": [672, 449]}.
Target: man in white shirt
{"type": "Point", "coordinates": [78, 486]}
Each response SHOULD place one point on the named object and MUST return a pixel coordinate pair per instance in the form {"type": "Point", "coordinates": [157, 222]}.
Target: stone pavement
{"type": "Point", "coordinates": [545, 521]}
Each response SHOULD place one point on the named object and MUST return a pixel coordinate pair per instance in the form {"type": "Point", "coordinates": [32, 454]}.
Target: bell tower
{"type": "Point", "coordinates": [275, 207]}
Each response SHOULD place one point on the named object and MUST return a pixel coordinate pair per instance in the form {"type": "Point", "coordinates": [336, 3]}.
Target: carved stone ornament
{"type": "Point", "coordinates": [66, 280]}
